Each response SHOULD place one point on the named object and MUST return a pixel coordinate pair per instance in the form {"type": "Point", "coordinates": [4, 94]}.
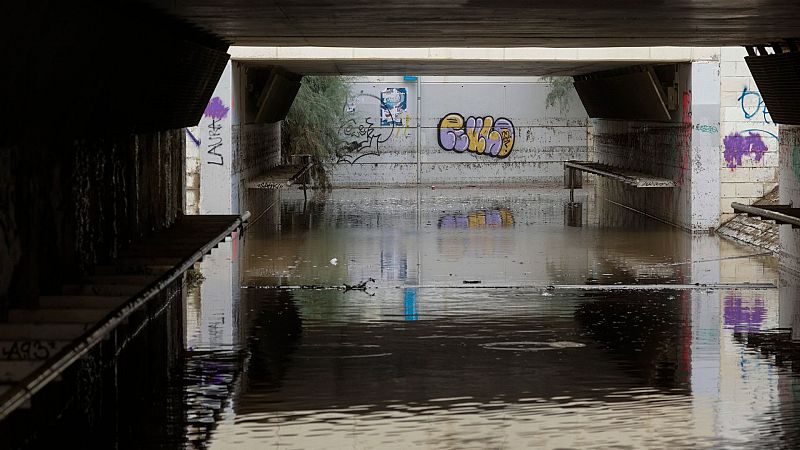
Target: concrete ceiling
{"type": "Point", "coordinates": [503, 23]}
{"type": "Point", "coordinates": [433, 67]}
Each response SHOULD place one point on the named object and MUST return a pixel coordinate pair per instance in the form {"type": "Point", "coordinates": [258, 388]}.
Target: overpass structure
{"type": "Point", "coordinates": [96, 97]}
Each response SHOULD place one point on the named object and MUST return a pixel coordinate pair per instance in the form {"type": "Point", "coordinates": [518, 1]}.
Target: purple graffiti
{"type": "Point", "coordinates": [481, 135]}
{"type": "Point", "coordinates": [737, 146]}
{"type": "Point", "coordinates": [216, 109]}
{"type": "Point", "coordinates": [744, 315]}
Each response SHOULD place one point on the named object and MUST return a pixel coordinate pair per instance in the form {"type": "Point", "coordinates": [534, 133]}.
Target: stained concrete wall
{"type": "Point", "coordinates": [749, 138]}
{"type": "Point", "coordinates": [789, 193]}
{"type": "Point", "coordinates": [67, 204]}
{"type": "Point", "coordinates": [683, 149]}
{"type": "Point", "coordinates": [660, 149]}
{"type": "Point", "coordinates": [384, 136]}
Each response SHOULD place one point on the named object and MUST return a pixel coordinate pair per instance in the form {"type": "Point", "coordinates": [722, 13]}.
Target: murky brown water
{"type": "Point", "coordinates": [459, 343]}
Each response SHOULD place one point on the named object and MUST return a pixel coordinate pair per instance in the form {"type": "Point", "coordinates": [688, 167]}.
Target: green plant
{"type": "Point", "coordinates": [312, 125]}
{"type": "Point", "coordinates": [560, 88]}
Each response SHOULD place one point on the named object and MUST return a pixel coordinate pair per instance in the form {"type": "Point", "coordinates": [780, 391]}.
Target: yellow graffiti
{"type": "Point", "coordinates": [481, 135]}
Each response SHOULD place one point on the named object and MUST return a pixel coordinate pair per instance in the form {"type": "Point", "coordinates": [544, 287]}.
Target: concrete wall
{"type": "Point", "coordinates": [661, 149]}
{"type": "Point", "coordinates": [385, 135]}
{"type": "Point", "coordinates": [749, 138]}
{"type": "Point", "coordinates": [66, 204]}
{"type": "Point", "coordinates": [224, 152]}
{"type": "Point", "coordinates": [789, 193]}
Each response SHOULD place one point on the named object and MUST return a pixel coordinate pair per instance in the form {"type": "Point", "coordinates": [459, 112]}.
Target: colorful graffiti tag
{"type": "Point", "coordinates": [493, 218]}
{"type": "Point", "coordinates": [481, 135]}
{"type": "Point", "coordinates": [739, 145]}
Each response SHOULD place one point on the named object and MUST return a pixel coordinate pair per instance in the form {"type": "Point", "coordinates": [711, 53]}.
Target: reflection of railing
{"type": "Point", "coordinates": [40, 377]}
{"type": "Point", "coordinates": [493, 218]}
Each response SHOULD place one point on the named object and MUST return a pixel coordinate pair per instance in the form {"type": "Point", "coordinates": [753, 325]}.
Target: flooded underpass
{"type": "Point", "coordinates": [476, 318]}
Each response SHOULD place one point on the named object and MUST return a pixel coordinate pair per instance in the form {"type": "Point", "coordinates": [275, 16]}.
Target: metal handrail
{"type": "Point", "coordinates": [768, 213]}
{"type": "Point", "coordinates": [33, 383]}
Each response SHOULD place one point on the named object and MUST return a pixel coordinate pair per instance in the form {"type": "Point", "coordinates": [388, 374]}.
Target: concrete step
{"type": "Point", "coordinates": [143, 280]}
{"type": "Point", "coordinates": [147, 261]}
{"type": "Point", "coordinates": [49, 315]}
{"type": "Point", "coordinates": [82, 302]}
{"type": "Point", "coordinates": [103, 289]}
{"type": "Point", "coordinates": [28, 349]}
{"type": "Point", "coordinates": [41, 331]}
{"type": "Point", "coordinates": [120, 269]}
{"type": "Point", "coordinates": [13, 371]}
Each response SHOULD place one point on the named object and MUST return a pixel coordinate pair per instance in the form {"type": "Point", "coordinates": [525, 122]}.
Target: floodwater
{"type": "Point", "coordinates": [478, 319]}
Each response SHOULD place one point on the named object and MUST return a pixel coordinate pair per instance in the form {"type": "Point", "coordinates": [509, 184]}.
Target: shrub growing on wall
{"type": "Point", "coordinates": [312, 124]}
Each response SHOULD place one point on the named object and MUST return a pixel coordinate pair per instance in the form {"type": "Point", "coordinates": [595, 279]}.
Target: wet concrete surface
{"type": "Point", "coordinates": [459, 342]}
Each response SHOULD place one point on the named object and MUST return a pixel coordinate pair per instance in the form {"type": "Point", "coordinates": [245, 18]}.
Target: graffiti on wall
{"type": "Point", "coordinates": [361, 136]}
{"type": "Point", "coordinates": [393, 106]}
{"type": "Point", "coordinates": [493, 218]}
{"type": "Point", "coordinates": [686, 138]}
{"type": "Point", "coordinates": [481, 135]}
{"type": "Point", "coordinates": [739, 145]}
{"type": "Point", "coordinates": [217, 112]}
{"type": "Point", "coordinates": [748, 143]}
{"type": "Point", "coordinates": [753, 105]}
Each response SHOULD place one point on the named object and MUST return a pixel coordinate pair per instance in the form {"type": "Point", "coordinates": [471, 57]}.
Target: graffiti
{"type": "Point", "coordinates": [744, 314]}
{"type": "Point", "coordinates": [738, 146]}
{"type": "Point", "coordinates": [481, 135]}
{"type": "Point", "coordinates": [393, 106]}
{"type": "Point", "coordinates": [494, 218]}
{"type": "Point", "coordinates": [363, 139]}
{"type": "Point", "coordinates": [26, 350]}
{"type": "Point", "coordinates": [194, 139]}
{"type": "Point", "coordinates": [216, 111]}
{"type": "Point", "coordinates": [706, 128]}
{"type": "Point", "coordinates": [796, 162]}
{"type": "Point", "coordinates": [747, 99]}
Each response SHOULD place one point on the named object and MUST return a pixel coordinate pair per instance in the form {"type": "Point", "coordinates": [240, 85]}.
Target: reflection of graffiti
{"type": "Point", "coordinates": [216, 111]}
{"type": "Point", "coordinates": [742, 314]}
{"type": "Point", "coordinates": [481, 135]}
{"type": "Point", "coordinates": [393, 106]}
{"type": "Point", "coordinates": [737, 146]}
{"type": "Point", "coordinates": [749, 110]}
{"type": "Point", "coordinates": [364, 139]}
{"type": "Point", "coordinates": [796, 162]}
{"type": "Point", "coordinates": [493, 218]}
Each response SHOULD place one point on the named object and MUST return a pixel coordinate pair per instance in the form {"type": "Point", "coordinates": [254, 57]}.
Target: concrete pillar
{"type": "Point", "coordinates": [704, 159]}
{"type": "Point", "coordinates": [214, 137]}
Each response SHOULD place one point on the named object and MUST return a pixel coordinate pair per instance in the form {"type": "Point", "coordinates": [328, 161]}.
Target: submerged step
{"type": "Point", "coordinates": [82, 302]}
{"type": "Point", "coordinates": [144, 280]}
{"type": "Point", "coordinates": [49, 315]}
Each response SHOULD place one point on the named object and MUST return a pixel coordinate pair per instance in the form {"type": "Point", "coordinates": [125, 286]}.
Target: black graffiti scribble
{"type": "Point", "coordinates": [361, 139]}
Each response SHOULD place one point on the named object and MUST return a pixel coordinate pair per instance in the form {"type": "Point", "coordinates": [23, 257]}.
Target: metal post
{"type": "Point", "coordinates": [419, 124]}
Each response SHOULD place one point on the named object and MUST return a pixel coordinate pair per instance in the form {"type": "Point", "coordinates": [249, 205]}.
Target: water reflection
{"type": "Point", "coordinates": [503, 367]}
